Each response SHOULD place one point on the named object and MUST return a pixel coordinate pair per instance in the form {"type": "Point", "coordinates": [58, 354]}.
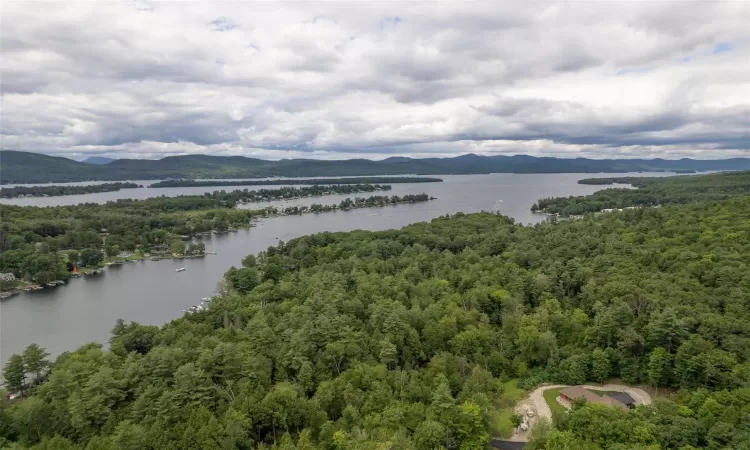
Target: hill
{"type": "Point", "coordinates": [24, 167]}
{"type": "Point", "coordinates": [98, 160]}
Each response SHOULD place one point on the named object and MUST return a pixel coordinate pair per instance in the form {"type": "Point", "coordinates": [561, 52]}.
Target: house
{"type": "Point", "coordinates": [571, 394]}
{"type": "Point", "coordinates": [7, 277]}
{"type": "Point", "coordinates": [624, 398]}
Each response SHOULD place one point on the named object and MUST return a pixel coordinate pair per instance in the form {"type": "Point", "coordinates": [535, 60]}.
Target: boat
{"type": "Point", "coordinates": [193, 309]}
{"type": "Point", "coordinates": [181, 269]}
{"type": "Point", "coordinates": [206, 299]}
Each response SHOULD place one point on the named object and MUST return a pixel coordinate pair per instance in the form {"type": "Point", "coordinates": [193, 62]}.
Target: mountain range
{"type": "Point", "coordinates": [25, 167]}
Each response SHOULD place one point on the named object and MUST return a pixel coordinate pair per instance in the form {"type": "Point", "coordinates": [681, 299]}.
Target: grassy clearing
{"type": "Point", "coordinates": [511, 395]}
{"type": "Point", "coordinates": [550, 396]}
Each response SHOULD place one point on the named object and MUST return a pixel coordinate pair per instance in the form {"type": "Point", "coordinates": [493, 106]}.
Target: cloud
{"type": "Point", "coordinates": [376, 79]}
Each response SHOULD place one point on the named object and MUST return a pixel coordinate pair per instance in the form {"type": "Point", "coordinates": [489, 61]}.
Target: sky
{"type": "Point", "coordinates": [338, 80]}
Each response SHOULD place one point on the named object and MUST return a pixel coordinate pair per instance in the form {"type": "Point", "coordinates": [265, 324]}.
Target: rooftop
{"type": "Point", "coordinates": [622, 397]}
{"type": "Point", "coordinates": [576, 392]}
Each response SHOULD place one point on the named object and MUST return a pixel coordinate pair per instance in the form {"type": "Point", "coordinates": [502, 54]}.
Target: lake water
{"type": "Point", "coordinates": [151, 292]}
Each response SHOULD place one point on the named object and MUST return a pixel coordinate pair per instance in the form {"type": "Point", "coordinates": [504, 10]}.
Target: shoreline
{"type": "Point", "coordinates": [98, 270]}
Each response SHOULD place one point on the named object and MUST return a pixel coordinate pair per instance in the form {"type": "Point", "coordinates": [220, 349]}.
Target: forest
{"type": "Point", "coordinates": [404, 339]}
{"type": "Point", "coordinates": [37, 243]}
{"type": "Point", "coordinates": [650, 191]}
{"type": "Point", "coordinates": [50, 191]}
{"type": "Point", "coordinates": [294, 181]}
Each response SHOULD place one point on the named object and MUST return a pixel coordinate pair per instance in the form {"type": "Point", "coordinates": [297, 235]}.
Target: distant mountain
{"type": "Point", "coordinates": [98, 160]}
{"type": "Point", "coordinates": [24, 167]}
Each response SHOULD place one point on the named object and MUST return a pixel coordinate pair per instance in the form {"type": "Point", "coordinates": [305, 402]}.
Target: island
{"type": "Point", "coordinates": [293, 181]}
{"type": "Point", "coordinates": [58, 190]}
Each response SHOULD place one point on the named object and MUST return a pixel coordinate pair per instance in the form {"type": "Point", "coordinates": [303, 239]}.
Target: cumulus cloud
{"type": "Point", "coordinates": [375, 79]}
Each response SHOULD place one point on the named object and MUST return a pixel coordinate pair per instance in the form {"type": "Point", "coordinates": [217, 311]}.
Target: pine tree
{"type": "Point", "coordinates": [14, 374]}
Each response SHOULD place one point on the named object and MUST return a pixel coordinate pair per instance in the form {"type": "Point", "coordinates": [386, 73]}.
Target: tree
{"type": "Point", "coordinates": [471, 430]}
{"type": "Point", "coordinates": [249, 261]}
{"type": "Point", "coordinates": [34, 360]}
{"type": "Point", "coordinates": [659, 367]}
{"type": "Point", "coordinates": [244, 279]}
{"type": "Point", "coordinates": [600, 366]}
{"type": "Point", "coordinates": [572, 370]}
{"type": "Point", "coordinates": [91, 257]}
{"type": "Point", "coordinates": [74, 256]}
{"type": "Point", "coordinates": [177, 248]}
{"type": "Point", "coordinates": [14, 374]}
{"type": "Point", "coordinates": [443, 406]}
{"type": "Point", "coordinates": [198, 248]}
{"type": "Point", "coordinates": [539, 434]}
{"type": "Point", "coordinates": [429, 435]}
{"type": "Point", "coordinates": [666, 329]}
{"type": "Point", "coordinates": [516, 420]}
{"type": "Point", "coordinates": [112, 250]}
{"type": "Point", "coordinates": [388, 353]}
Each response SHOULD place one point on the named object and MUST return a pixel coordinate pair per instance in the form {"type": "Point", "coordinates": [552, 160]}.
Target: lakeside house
{"type": "Point", "coordinates": [620, 400]}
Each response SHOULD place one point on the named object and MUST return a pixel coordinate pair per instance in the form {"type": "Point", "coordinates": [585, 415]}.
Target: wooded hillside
{"type": "Point", "coordinates": [401, 339]}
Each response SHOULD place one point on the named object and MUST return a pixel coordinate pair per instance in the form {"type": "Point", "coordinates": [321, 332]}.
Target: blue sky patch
{"type": "Point", "coordinates": [722, 47]}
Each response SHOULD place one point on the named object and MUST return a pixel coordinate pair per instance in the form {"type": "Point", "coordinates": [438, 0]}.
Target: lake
{"type": "Point", "coordinates": [151, 292]}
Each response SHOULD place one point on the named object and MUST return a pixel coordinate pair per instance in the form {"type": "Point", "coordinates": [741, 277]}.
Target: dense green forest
{"type": "Point", "coordinates": [296, 181]}
{"type": "Point", "coordinates": [49, 191]}
{"type": "Point", "coordinates": [24, 167]}
{"type": "Point", "coordinates": [37, 243]}
{"type": "Point", "coordinates": [651, 191]}
{"type": "Point", "coordinates": [401, 339]}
